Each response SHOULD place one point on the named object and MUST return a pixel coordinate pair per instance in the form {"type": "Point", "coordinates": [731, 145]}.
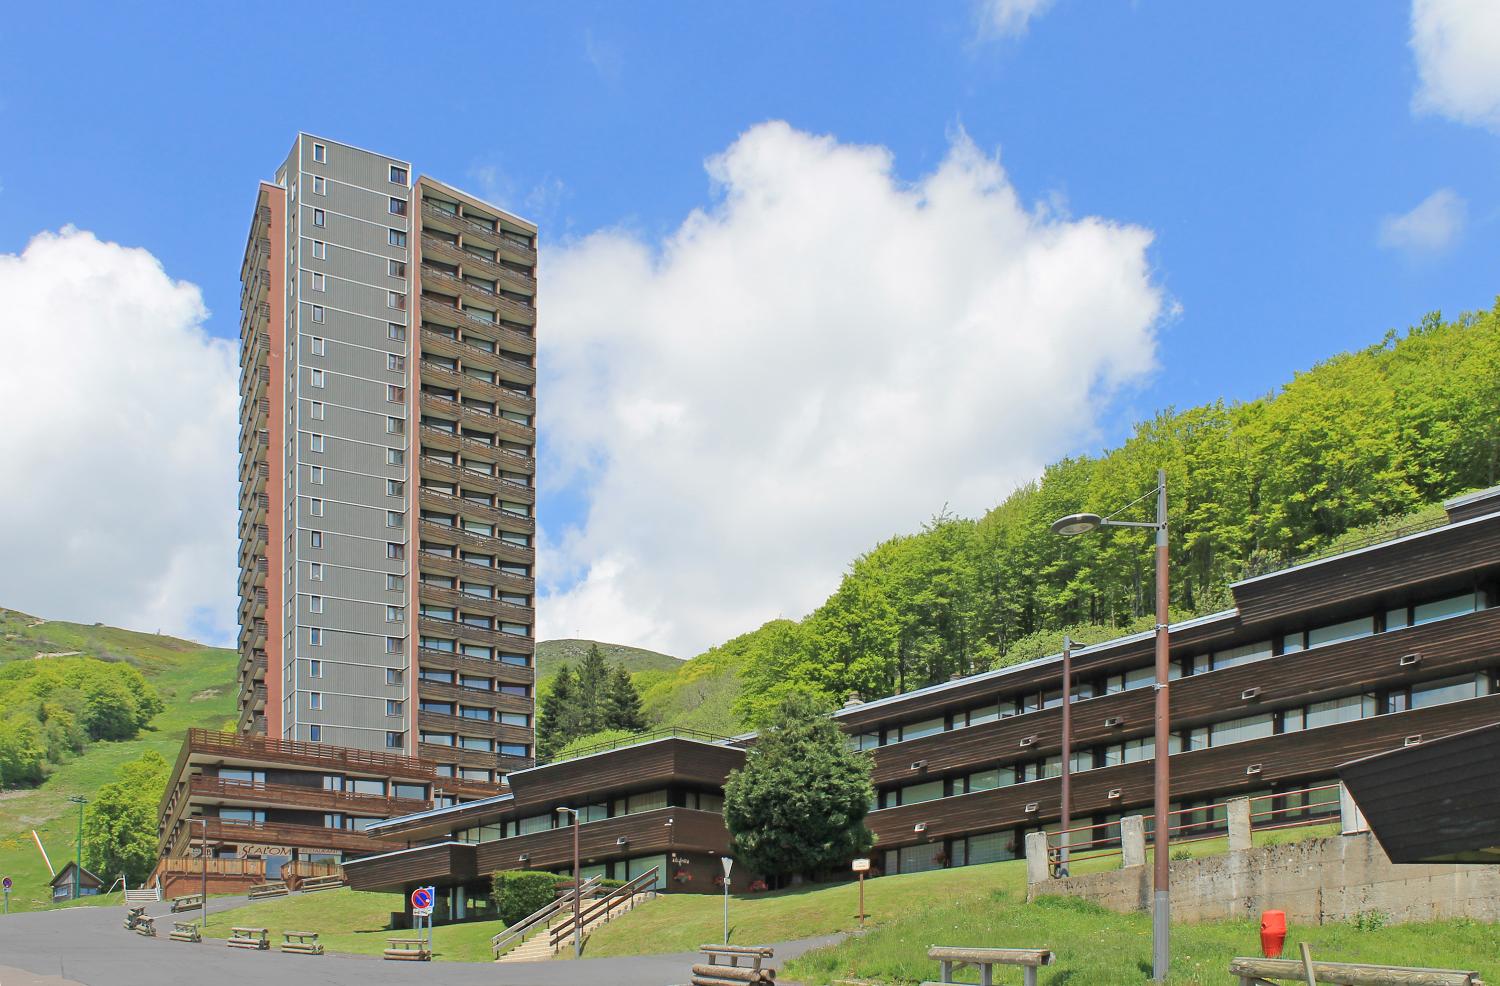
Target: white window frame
{"type": "Point", "coordinates": [315, 506]}
{"type": "Point", "coordinates": [315, 476]}
{"type": "Point", "coordinates": [318, 378]}
{"type": "Point", "coordinates": [315, 571]}
{"type": "Point", "coordinates": [315, 701]}
{"type": "Point", "coordinates": [319, 250]}
{"type": "Point", "coordinates": [396, 237]}
{"type": "Point", "coordinates": [319, 282]}
{"type": "Point", "coordinates": [315, 604]}
{"type": "Point", "coordinates": [315, 636]}
{"type": "Point", "coordinates": [395, 457]}
{"type": "Point", "coordinates": [314, 669]}
{"type": "Point", "coordinates": [320, 185]}
{"type": "Point", "coordinates": [315, 539]}
{"type": "Point", "coordinates": [395, 268]}
{"type": "Point", "coordinates": [320, 219]}
{"type": "Point", "coordinates": [315, 443]}
{"type": "Point", "coordinates": [404, 180]}
{"type": "Point", "coordinates": [317, 314]}
{"type": "Point", "coordinates": [395, 331]}
{"type": "Point", "coordinates": [316, 410]}
{"type": "Point", "coordinates": [319, 346]}
{"type": "Point", "coordinates": [320, 152]}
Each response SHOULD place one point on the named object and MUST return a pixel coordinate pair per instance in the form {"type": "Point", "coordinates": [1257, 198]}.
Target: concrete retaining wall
{"type": "Point", "coordinates": [1315, 881]}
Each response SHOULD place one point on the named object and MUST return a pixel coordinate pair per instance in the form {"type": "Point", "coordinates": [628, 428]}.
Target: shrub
{"type": "Point", "coordinates": [519, 893]}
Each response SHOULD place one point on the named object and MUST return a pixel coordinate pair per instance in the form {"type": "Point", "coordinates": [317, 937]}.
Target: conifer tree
{"type": "Point", "coordinates": [557, 718]}
{"type": "Point", "coordinates": [622, 708]}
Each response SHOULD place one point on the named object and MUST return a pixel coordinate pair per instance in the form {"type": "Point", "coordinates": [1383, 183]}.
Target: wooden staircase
{"type": "Point", "coordinates": [549, 931]}
{"type": "Point", "coordinates": [540, 947]}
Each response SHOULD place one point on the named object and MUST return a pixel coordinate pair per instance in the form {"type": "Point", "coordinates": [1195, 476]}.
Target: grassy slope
{"type": "Point", "coordinates": [197, 688]}
{"type": "Point", "coordinates": [552, 653]}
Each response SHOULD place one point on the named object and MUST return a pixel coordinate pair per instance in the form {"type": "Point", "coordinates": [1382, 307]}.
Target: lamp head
{"type": "Point", "coordinates": [1077, 524]}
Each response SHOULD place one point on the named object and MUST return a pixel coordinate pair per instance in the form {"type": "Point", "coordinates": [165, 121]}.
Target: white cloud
{"type": "Point", "coordinates": [118, 434]}
{"type": "Point", "coordinates": [1431, 227]}
{"type": "Point", "coordinates": [824, 357]}
{"type": "Point", "coordinates": [1457, 47]}
{"type": "Point", "coordinates": [1008, 18]}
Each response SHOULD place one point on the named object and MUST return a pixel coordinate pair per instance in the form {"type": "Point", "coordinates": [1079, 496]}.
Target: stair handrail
{"type": "Point", "coordinates": [521, 928]}
{"type": "Point", "coordinates": [606, 903]}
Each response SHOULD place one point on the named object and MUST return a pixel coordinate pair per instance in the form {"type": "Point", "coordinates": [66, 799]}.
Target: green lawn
{"type": "Point", "coordinates": [197, 688]}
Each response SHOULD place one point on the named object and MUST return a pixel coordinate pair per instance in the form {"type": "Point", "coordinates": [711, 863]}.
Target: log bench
{"type": "Point", "coordinates": [190, 902]}
{"type": "Point", "coordinates": [320, 883]}
{"type": "Point", "coordinates": [715, 972]}
{"type": "Point", "coordinates": [256, 938]}
{"type": "Point", "coordinates": [133, 916]}
{"type": "Point", "coordinates": [301, 942]}
{"type": "Point", "coordinates": [267, 890]}
{"type": "Point", "coordinates": [145, 924]}
{"type": "Point", "coordinates": [408, 950]}
{"type": "Point", "coordinates": [1268, 972]}
{"type": "Point", "coordinates": [986, 959]}
{"type": "Point", "coordinates": [186, 931]}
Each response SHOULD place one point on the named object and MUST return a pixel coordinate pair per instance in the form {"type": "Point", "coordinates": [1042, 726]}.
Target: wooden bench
{"type": "Point", "coordinates": [133, 916]}
{"type": "Point", "coordinates": [301, 942]}
{"type": "Point", "coordinates": [715, 972]}
{"type": "Point", "coordinates": [408, 950]}
{"type": "Point", "coordinates": [191, 902]}
{"type": "Point", "coordinates": [186, 931]}
{"type": "Point", "coordinates": [985, 960]}
{"type": "Point", "coordinates": [145, 924]}
{"type": "Point", "coordinates": [256, 938]}
{"type": "Point", "coordinates": [1266, 972]}
{"type": "Point", "coordinates": [267, 890]}
{"type": "Point", "coordinates": [320, 883]}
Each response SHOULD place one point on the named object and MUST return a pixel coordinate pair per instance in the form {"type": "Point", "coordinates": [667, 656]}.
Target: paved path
{"type": "Point", "coordinates": [87, 946]}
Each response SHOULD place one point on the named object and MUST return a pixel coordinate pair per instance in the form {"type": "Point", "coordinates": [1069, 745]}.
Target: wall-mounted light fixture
{"type": "Point", "coordinates": [1250, 693]}
{"type": "Point", "coordinates": [1031, 807]}
{"type": "Point", "coordinates": [1029, 740]}
{"type": "Point", "coordinates": [1409, 660]}
{"type": "Point", "coordinates": [919, 765]}
{"type": "Point", "coordinates": [919, 827]}
{"type": "Point", "coordinates": [1412, 740]}
{"type": "Point", "coordinates": [1113, 722]}
{"type": "Point", "coordinates": [1252, 769]}
{"type": "Point", "coordinates": [1116, 793]}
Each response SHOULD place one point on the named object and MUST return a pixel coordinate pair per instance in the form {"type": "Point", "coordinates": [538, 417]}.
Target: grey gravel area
{"type": "Point", "coordinates": [87, 946]}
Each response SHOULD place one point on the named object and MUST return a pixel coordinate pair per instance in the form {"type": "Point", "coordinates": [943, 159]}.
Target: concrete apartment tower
{"type": "Point", "coordinates": [388, 372]}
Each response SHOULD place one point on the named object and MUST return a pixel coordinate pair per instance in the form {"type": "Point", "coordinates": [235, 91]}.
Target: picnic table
{"type": "Point", "coordinates": [186, 931]}
{"type": "Point", "coordinates": [986, 959]}
{"type": "Point", "coordinates": [408, 950]}
{"type": "Point", "coordinates": [301, 942]}
{"type": "Point", "coordinates": [145, 924]}
{"type": "Point", "coordinates": [715, 972]}
{"type": "Point", "coordinates": [133, 916]}
{"type": "Point", "coordinates": [256, 938]}
{"type": "Point", "coordinates": [188, 902]}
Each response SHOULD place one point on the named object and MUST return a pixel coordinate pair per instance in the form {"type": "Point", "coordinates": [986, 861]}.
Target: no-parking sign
{"type": "Point", "coordinates": [421, 902]}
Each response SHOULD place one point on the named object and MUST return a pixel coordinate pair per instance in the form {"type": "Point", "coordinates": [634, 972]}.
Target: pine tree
{"type": "Point", "coordinates": [593, 693]}
{"type": "Point", "coordinates": [622, 708]}
{"type": "Point", "coordinates": [557, 718]}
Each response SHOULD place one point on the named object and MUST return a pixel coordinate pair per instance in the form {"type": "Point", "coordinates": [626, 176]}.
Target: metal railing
{"type": "Point", "coordinates": [603, 907]}
{"type": "Point", "coordinates": [1264, 563]}
{"type": "Point", "coordinates": [670, 732]}
{"type": "Point", "coordinates": [1182, 829]}
{"type": "Point", "coordinates": [517, 932]}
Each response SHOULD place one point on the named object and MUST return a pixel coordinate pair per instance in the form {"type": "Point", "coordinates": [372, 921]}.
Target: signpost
{"type": "Point", "coordinates": [862, 866]}
{"type": "Point", "coordinates": [421, 907]}
{"type": "Point", "coordinates": [5, 886]}
{"type": "Point", "coordinates": [728, 865]}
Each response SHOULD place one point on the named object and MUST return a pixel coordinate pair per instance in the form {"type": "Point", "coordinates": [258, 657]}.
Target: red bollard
{"type": "Point", "coordinates": [1272, 933]}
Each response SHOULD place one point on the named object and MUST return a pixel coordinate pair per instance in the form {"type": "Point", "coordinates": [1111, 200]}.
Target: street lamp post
{"type": "Point", "coordinates": [577, 888]}
{"type": "Point", "coordinates": [80, 801]}
{"type": "Point", "coordinates": [1162, 903]}
{"type": "Point", "coordinates": [203, 858]}
{"type": "Point", "coordinates": [1067, 756]}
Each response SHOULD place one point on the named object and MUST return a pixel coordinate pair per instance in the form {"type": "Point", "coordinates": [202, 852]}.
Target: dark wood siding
{"type": "Point", "coordinates": [632, 768]}
{"type": "Point", "coordinates": [646, 833]}
{"type": "Point", "coordinates": [443, 864]}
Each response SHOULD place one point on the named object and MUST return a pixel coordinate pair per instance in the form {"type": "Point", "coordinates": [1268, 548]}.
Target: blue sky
{"type": "Point", "coordinates": [1264, 147]}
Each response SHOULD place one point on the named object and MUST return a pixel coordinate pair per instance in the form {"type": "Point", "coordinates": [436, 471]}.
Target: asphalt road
{"type": "Point", "coordinates": [87, 946]}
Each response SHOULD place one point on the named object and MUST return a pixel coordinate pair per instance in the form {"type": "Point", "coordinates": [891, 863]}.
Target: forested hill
{"type": "Point", "coordinates": [1355, 441]}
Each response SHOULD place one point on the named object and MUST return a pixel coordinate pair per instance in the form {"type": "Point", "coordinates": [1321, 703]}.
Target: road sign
{"type": "Point", "coordinates": [861, 866]}
{"type": "Point", "coordinates": [728, 865]}
{"type": "Point", "coordinates": [5, 884]}
{"type": "Point", "coordinates": [421, 902]}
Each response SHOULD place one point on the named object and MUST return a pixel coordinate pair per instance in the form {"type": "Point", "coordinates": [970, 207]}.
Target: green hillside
{"type": "Point", "coordinates": [1361, 442]}
{"type": "Point", "coordinates": [550, 654]}
{"type": "Point", "coordinates": [196, 685]}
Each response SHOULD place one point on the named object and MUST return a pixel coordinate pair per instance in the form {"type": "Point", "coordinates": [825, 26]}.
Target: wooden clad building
{"type": "Point", "coordinates": [1386, 646]}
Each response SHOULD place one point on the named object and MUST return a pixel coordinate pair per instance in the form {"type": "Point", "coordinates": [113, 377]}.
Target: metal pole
{"type": "Point", "coordinates": [203, 858]}
{"type": "Point", "coordinates": [726, 910]}
{"type": "Point", "coordinates": [1162, 910]}
{"type": "Point", "coordinates": [1067, 756]}
{"type": "Point", "coordinates": [78, 858]}
{"type": "Point", "coordinates": [577, 893]}
{"type": "Point", "coordinates": [861, 900]}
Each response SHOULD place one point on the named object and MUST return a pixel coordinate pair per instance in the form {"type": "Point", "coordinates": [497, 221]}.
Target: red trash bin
{"type": "Point", "coordinates": [1272, 933]}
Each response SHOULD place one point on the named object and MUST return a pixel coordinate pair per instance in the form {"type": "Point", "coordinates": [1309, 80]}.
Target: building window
{"type": "Point", "coordinates": [315, 669]}
{"type": "Point", "coordinates": [394, 457]}
{"type": "Point", "coordinates": [395, 332]}
{"type": "Point", "coordinates": [393, 518]}
{"type": "Point", "coordinates": [395, 614]}
{"type": "Point", "coordinates": [396, 268]}
{"type": "Point", "coordinates": [319, 250]}
{"type": "Point", "coordinates": [315, 538]}
{"type": "Point", "coordinates": [317, 313]}
{"type": "Point", "coordinates": [315, 571]}
{"type": "Point", "coordinates": [315, 604]}
{"type": "Point", "coordinates": [392, 707]}
{"type": "Point", "coordinates": [398, 206]}
{"type": "Point", "coordinates": [319, 345]}
{"type": "Point", "coordinates": [514, 749]}
{"type": "Point", "coordinates": [398, 175]}
{"type": "Point", "coordinates": [320, 153]}
{"type": "Point", "coordinates": [393, 740]}
{"type": "Point", "coordinates": [315, 442]}
{"type": "Point", "coordinates": [397, 238]}
{"type": "Point", "coordinates": [314, 700]}
{"type": "Point", "coordinates": [395, 299]}
{"type": "Point", "coordinates": [315, 636]}
{"type": "Point", "coordinates": [515, 719]}
{"type": "Point", "coordinates": [395, 426]}
{"type": "Point", "coordinates": [394, 551]}
{"type": "Point", "coordinates": [395, 363]}
{"type": "Point", "coordinates": [393, 676]}
{"type": "Point", "coordinates": [320, 218]}
{"type": "Point", "coordinates": [315, 410]}
{"type": "Point", "coordinates": [315, 734]}
{"type": "Point", "coordinates": [318, 283]}
{"type": "Point", "coordinates": [319, 378]}
{"type": "Point", "coordinates": [315, 507]}
{"type": "Point", "coordinates": [320, 185]}
{"type": "Point", "coordinates": [394, 487]}
{"type": "Point", "coordinates": [395, 394]}
{"type": "Point", "coordinates": [316, 475]}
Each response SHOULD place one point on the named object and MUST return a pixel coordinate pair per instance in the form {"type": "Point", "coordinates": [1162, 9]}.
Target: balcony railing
{"type": "Point", "coordinates": [463, 631]}
{"type": "Point", "coordinates": [441, 343]}
{"type": "Point", "coordinates": [436, 373]}
{"type": "Point", "coordinates": [295, 796]}
{"type": "Point", "coordinates": [524, 523]}
{"type": "Point", "coordinates": [487, 605]}
{"type": "Point", "coordinates": [435, 246]}
{"type": "Point", "coordinates": [484, 419]}
{"type": "Point", "coordinates": [524, 341]}
{"type": "Point", "coordinates": [650, 736]}
{"type": "Point", "coordinates": [492, 235]}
